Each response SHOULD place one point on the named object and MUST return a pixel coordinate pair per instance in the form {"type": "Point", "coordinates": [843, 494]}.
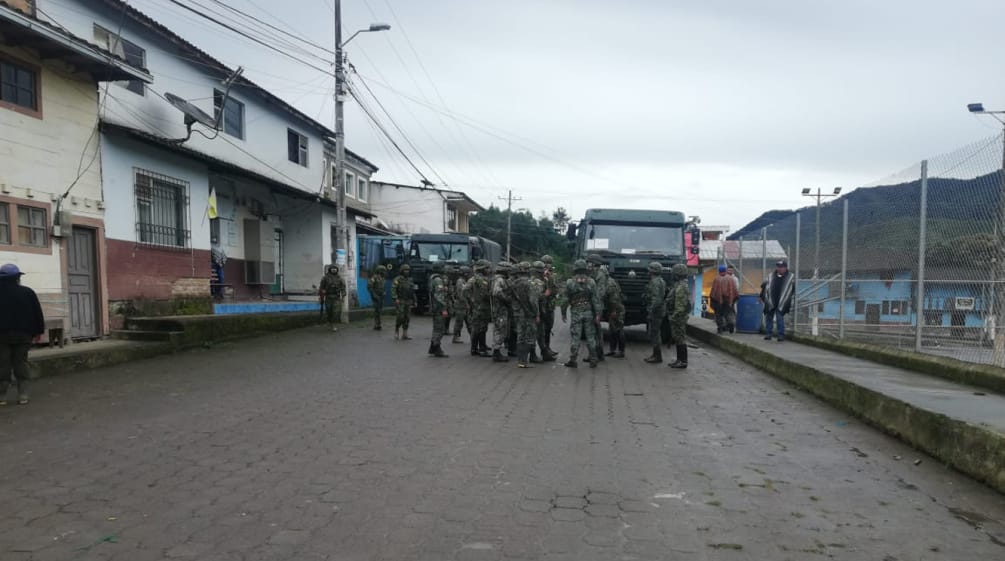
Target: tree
{"type": "Point", "coordinates": [560, 218]}
{"type": "Point", "coordinates": [531, 237]}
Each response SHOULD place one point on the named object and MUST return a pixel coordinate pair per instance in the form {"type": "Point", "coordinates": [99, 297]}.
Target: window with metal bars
{"type": "Point", "coordinates": [18, 86]}
{"type": "Point", "coordinates": [4, 224]}
{"type": "Point", "coordinates": [161, 210]}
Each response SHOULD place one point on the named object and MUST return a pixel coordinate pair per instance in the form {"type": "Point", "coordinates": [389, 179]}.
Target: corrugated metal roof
{"type": "Point", "coordinates": [712, 250]}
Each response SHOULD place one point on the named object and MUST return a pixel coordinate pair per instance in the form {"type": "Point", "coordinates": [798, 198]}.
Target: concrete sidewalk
{"type": "Point", "coordinates": [963, 426]}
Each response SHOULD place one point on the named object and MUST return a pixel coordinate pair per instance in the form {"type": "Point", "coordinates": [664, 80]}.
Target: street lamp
{"type": "Point", "coordinates": [998, 267]}
{"type": "Point", "coordinates": [819, 196]}
{"type": "Point", "coordinates": [338, 181]}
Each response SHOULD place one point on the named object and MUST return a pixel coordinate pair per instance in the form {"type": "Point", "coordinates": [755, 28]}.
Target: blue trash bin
{"type": "Point", "coordinates": [749, 312]}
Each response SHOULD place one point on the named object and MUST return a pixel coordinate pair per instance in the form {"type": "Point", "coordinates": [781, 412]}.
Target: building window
{"type": "Point", "coordinates": [232, 121]}
{"type": "Point", "coordinates": [350, 185]}
{"type": "Point", "coordinates": [361, 190]}
{"type": "Point", "coordinates": [296, 147]}
{"type": "Point", "coordinates": [451, 218]}
{"type": "Point", "coordinates": [19, 87]}
{"type": "Point", "coordinates": [859, 307]}
{"type": "Point", "coordinates": [131, 52]}
{"type": "Point", "coordinates": [4, 224]}
{"type": "Point", "coordinates": [886, 307]}
{"type": "Point", "coordinates": [161, 210]}
{"type": "Point", "coordinates": [32, 227]}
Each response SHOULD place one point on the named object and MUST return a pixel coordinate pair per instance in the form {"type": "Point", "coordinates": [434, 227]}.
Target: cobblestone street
{"type": "Point", "coordinates": [309, 445]}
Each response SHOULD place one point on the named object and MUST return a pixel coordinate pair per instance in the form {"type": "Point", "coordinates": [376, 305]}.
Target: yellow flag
{"type": "Point", "coordinates": [212, 204]}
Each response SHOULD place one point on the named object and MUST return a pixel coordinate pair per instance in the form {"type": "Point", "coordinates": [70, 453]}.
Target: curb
{"type": "Point", "coordinates": [982, 375]}
{"type": "Point", "coordinates": [972, 450]}
{"type": "Point", "coordinates": [247, 326]}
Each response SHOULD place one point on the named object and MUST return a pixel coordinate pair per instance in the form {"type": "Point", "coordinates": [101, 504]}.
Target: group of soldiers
{"type": "Point", "coordinates": [520, 301]}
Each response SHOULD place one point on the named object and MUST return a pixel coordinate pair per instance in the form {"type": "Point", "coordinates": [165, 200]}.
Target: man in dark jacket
{"type": "Point", "coordinates": [777, 297]}
{"type": "Point", "coordinates": [20, 323]}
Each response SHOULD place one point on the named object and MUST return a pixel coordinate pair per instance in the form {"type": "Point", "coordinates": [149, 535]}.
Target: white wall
{"type": "Point", "coordinates": [304, 252]}
{"type": "Point", "coordinates": [119, 156]}
{"type": "Point", "coordinates": [265, 125]}
{"type": "Point", "coordinates": [40, 157]}
{"type": "Point", "coordinates": [412, 210]}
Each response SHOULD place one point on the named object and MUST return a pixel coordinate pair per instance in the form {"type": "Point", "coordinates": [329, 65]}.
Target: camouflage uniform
{"type": "Point", "coordinates": [581, 295]}
{"type": "Point", "coordinates": [600, 277]}
{"type": "Point", "coordinates": [502, 310]}
{"type": "Point", "coordinates": [332, 291]}
{"type": "Point", "coordinates": [540, 282]}
{"type": "Point", "coordinates": [460, 311]}
{"type": "Point", "coordinates": [450, 278]}
{"type": "Point", "coordinates": [439, 307]}
{"type": "Point", "coordinates": [616, 318]}
{"type": "Point", "coordinates": [526, 314]}
{"type": "Point", "coordinates": [653, 301]}
{"type": "Point", "coordinates": [552, 287]}
{"type": "Point", "coordinates": [479, 295]}
{"type": "Point", "coordinates": [678, 308]}
{"type": "Point", "coordinates": [375, 286]}
{"type": "Point", "coordinates": [403, 294]}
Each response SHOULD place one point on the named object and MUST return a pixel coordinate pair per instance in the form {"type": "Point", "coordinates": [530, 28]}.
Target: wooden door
{"type": "Point", "coordinates": [82, 280]}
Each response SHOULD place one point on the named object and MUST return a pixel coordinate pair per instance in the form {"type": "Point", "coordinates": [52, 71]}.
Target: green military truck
{"type": "Point", "coordinates": [426, 249]}
{"type": "Point", "coordinates": [627, 240]}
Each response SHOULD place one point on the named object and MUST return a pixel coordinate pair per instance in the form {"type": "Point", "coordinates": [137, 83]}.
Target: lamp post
{"type": "Point", "coordinates": [338, 181]}
{"type": "Point", "coordinates": [996, 307]}
{"type": "Point", "coordinates": [819, 196]}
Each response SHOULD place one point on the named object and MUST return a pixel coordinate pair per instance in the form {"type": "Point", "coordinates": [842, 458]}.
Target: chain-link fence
{"type": "Point", "coordinates": [911, 262]}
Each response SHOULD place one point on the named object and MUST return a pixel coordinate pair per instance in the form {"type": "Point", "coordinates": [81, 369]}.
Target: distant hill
{"type": "Point", "coordinates": [883, 223]}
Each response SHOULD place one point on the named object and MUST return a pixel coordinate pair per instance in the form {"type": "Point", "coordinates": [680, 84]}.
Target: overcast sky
{"type": "Point", "coordinates": [721, 108]}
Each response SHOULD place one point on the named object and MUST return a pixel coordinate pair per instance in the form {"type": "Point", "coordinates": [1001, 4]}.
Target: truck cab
{"type": "Point", "coordinates": [627, 240]}
{"type": "Point", "coordinates": [461, 249]}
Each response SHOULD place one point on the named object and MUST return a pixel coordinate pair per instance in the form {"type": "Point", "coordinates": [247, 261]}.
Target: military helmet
{"type": "Point", "coordinates": [595, 259]}
{"type": "Point", "coordinates": [333, 269]}
{"type": "Point", "coordinates": [580, 266]}
{"type": "Point", "coordinates": [504, 267]}
{"type": "Point", "coordinates": [406, 268]}
{"type": "Point", "coordinates": [482, 264]}
{"type": "Point", "coordinates": [465, 270]}
{"type": "Point", "coordinates": [439, 266]}
{"type": "Point", "coordinates": [523, 268]}
{"type": "Point", "coordinates": [547, 260]}
{"type": "Point", "coordinates": [537, 266]}
{"type": "Point", "coordinates": [679, 271]}
{"type": "Point", "coordinates": [655, 267]}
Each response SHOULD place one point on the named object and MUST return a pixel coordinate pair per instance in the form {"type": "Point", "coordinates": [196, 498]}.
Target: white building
{"type": "Point", "coordinates": [52, 208]}
{"type": "Point", "coordinates": [267, 167]}
{"type": "Point", "coordinates": [422, 210]}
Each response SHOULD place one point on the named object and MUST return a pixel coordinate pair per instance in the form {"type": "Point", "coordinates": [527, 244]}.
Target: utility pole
{"type": "Point", "coordinates": [509, 219]}
{"type": "Point", "coordinates": [338, 179]}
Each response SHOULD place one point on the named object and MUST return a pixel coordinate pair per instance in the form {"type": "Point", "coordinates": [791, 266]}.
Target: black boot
{"type": "Point", "coordinates": [681, 362]}
{"type": "Point", "coordinates": [613, 345]}
{"type": "Point", "coordinates": [600, 348]}
{"type": "Point", "coordinates": [620, 345]}
{"type": "Point", "coordinates": [432, 349]}
{"type": "Point", "coordinates": [657, 355]}
{"type": "Point", "coordinates": [438, 352]}
{"type": "Point", "coordinates": [533, 354]}
{"type": "Point", "coordinates": [571, 363]}
{"type": "Point", "coordinates": [474, 346]}
{"type": "Point", "coordinates": [498, 356]}
{"type": "Point", "coordinates": [483, 348]}
{"type": "Point", "coordinates": [523, 356]}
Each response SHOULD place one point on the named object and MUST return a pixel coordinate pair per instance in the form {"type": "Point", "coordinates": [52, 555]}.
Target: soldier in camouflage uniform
{"type": "Point", "coordinates": [332, 291]}
{"type": "Point", "coordinates": [616, 318]}
{"type": "Point", "coordinates": [653, 300]}
{"type": "Point", "coordinates": [678, 306]}
{"type": "Point", "coordinates": [581, 295]}
{"type": "Point", "coordinates": [375, 286]}
{"type": "Point", "coordinates": [479, 294]}
{"type": "Point", "coordinates": [439, 307]}
{"type": "Point", "coordinates": [552, 288]}
{"type": "Point", "coordinates": [461, 304]}
{"type": "Point", "coordinates": [598, 271]}
{"type": "Point", "coordinates": [538, 271]}
{"type": "Point", "coordinates": [526, 314]}
{"type": "Point", "coordinates": [502, 310]}
{"type": "Point", "coordinates": [403, 294]}
{"type": "Point", "coordinates": [451, 271]}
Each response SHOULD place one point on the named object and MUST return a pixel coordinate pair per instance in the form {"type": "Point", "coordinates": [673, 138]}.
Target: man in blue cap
{"type": "Point", "coordinates": [723, 296]}
{"type": "Point", "coordinates": [20, 323]}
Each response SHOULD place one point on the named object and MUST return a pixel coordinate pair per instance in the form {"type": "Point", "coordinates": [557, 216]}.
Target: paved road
{"type": "Point", "coordinates": [313, 446]}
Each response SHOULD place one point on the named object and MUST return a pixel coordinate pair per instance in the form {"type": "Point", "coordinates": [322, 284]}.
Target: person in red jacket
{"type": "Point", "coordinates": [20, 323]}
{"type": "Point", "coordinates": [723, 297]}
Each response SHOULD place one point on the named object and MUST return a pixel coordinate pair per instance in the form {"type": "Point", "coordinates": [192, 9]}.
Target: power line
{"type": "Point", "coordinates": [366, 110]}
{"type": "Point", "coordinates": [509, 219]}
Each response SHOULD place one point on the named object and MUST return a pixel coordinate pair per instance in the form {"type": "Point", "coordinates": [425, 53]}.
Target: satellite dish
{"type": "Point", "coordinates": [192, 113]}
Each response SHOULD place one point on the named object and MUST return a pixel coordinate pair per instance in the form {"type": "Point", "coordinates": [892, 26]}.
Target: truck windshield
{"type": "Point", "coordinates": [441, 252]}
{"type": "Point", "coordinates": [631, 240]}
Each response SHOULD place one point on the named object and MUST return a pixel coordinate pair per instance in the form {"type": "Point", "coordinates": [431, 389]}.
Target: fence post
{"type": "Point", "coordinates": [795, 265]}
{"type": "Point", "coordinates": [919, 309]}
{"type": "Point", "coordinates": [764, 253]}
{"type": "Point", "coordinates": [743, 280]}
{"type": "Point", "coordinates": [844, 270]}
